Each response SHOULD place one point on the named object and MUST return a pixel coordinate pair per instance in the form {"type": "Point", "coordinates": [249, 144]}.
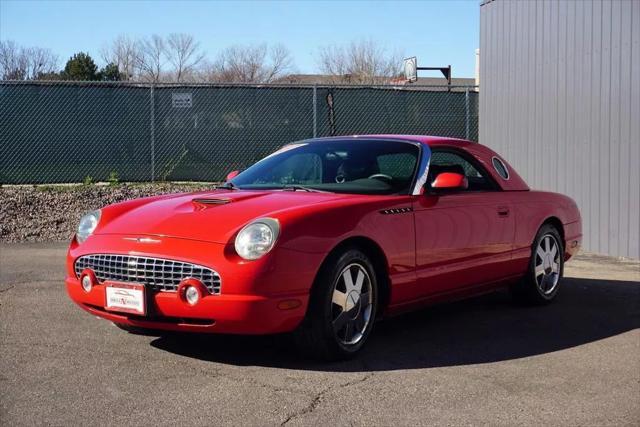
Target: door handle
{"type": "Point", "coordinates": [503, 211]}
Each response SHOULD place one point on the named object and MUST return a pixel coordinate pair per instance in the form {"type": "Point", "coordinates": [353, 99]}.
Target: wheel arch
{"type": "Point", "coordinates": [377, 257]}
{"type": "Point", "coordinates": [555, 222]}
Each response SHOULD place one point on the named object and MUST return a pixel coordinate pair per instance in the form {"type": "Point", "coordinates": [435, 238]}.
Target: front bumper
{"type": "Point", "coordinates": [247, 304]}
{"type": "Point", "coordinates": [573, 239]}
{"type": "Point", "coordinates": [234, 314]}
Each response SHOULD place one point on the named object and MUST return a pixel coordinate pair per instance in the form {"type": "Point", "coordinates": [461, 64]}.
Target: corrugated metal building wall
{"type": "Point", "coordinates": [560, 99]}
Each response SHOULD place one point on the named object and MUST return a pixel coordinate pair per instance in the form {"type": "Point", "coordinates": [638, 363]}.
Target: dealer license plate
{"type": "Point", "coordinates": [125, 297]}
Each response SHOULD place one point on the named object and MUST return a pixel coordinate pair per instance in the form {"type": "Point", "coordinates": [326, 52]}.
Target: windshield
{"type": "Point", "coordinates": [341, 166]}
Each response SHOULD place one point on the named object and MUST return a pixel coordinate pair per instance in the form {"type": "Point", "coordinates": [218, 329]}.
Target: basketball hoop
{"type": "Point", "coordinates": [411, 69]}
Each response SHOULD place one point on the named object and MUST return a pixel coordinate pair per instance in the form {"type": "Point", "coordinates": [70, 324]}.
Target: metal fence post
{"type": "Point", "coordinates": [315, 111]}
{"type": "Point", "coordinates": [153, 134]}
{"type": "Point", "coordinates": [466, 113]}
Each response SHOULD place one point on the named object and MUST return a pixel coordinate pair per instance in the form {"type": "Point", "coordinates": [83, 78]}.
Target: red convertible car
{"type": "Point", "coordinates": [323, 237]}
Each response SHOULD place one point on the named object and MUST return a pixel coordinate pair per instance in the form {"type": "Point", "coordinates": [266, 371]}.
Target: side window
{"type": "Point", "coordinates": [500, 168]}
{"type": "Point", "coordinates": [448, 161]}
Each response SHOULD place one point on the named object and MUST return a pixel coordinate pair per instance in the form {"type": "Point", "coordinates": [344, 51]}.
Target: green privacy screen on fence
{"type": "Point", "coordinates": [65, 132]}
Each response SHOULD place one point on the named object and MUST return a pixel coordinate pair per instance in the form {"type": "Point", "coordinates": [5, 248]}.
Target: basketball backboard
{"type": "Point", "coordinates": [411, 69]}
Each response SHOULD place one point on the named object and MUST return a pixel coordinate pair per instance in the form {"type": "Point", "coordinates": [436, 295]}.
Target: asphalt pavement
{"type": "Point", "coordinates": [481, 361]}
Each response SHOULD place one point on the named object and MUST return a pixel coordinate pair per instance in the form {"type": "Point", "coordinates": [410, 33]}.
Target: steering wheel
{"type": "Point", "coordinates": [382, 177]}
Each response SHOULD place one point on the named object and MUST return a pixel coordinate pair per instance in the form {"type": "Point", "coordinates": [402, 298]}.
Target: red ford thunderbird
{"type": "Point", "coordinates": [322, 238]}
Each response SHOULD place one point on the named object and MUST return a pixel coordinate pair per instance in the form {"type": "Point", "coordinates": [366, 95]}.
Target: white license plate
{"type": "Point", "coordinates": [125, 297]}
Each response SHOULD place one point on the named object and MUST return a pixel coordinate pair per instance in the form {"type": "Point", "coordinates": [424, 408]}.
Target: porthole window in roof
{"type": "Point", "coordinates": [500, 168]}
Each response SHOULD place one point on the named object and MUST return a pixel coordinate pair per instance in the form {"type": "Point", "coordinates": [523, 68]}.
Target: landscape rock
{"type": "Point", "coordinates": [51, 213]}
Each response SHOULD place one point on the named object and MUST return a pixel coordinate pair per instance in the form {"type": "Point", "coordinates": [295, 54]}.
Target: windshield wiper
{"type": "Point", "coordinates": [227, 186]}
{"type": "Point", "coordinates": [296, 187]}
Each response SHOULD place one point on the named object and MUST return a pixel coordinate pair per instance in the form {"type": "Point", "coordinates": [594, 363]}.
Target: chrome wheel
{"type": "Point", "coordinates": [547, 264]}
{"type": "Point", "coordinates": [351, 304]}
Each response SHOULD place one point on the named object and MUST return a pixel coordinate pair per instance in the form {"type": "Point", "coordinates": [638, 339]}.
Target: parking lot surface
{"type": "Point", "coordinates": [482, 361]}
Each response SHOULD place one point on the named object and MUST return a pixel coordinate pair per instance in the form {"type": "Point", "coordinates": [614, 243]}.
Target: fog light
{"type": "Point", "coordinates": [86, 283]}
{"type": "Point", "coordinates": [192, 295]}
{"type": "Point", "coordinates": [191, 290]}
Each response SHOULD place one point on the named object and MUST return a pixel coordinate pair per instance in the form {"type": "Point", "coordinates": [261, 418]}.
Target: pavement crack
{"type": "Point", "coordinates": [307, 409]}
{"type": "Point", "coordinates": [7, 288]}
{"type": "Point", "coordinates": [255, 382]}
{"type": "Point", "coordinates": [358, 381]}
{"type": "Point", "coordinates": [315, 402]}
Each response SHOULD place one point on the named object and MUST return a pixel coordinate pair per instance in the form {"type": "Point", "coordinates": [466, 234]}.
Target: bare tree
{"type": "Point", "coordinates": [361, 61]}
{"type": "Point", "coordinates": [40, 62]}
{"type": "Point", "coordinates": [151, 58]}
{"type": "Point", "coordinates": [12, 61]}
{"type": "Point", "coordinates": [124, 52]}
{"type": "Point", "coordinates": [281, 63]}
{"type": "Point", "coordinates": [250, 64]}
{"type": "Point", "coordinates": [183, 51]}
{"type": "Point", "coordinates": [206, 72]}
{"type": "Point", "coordinates": [20, 63]}
{"type": "Point", "coordinates": [146, 59]}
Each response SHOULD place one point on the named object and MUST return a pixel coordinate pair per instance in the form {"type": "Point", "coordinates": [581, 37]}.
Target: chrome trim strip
{"type": "Point", "coordinates": [396, 210]}
{"type": "Point", "coordinates": [141, 239]}
{"type": "Point", "coordinates": [423, 169]}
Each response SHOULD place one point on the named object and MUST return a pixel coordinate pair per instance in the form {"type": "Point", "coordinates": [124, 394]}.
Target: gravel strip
{"type": "Point", "coordinates": [51, 213]}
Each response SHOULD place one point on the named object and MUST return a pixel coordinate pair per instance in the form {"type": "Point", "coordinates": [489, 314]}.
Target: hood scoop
{"type": "Point", "coordinates": [206, 201]}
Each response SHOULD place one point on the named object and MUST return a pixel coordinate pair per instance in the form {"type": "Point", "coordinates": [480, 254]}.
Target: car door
{"type": "Point", "coordinates": [463, 238]}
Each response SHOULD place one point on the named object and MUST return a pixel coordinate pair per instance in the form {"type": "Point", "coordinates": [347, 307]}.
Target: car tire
{"type": "Point", "coordinates": [546, 267]}
{"type": "Point", "coordinates": [342, 308]}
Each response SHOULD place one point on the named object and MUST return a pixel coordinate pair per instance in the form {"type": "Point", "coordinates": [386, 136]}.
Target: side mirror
{"type": "Point", "coordinates": [232, 175]}
{"type": "Point", "coordinates": [449, 181]}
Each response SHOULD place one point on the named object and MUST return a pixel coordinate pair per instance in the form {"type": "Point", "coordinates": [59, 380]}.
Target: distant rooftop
{"type": "Point", "coordinates": [438, 83]}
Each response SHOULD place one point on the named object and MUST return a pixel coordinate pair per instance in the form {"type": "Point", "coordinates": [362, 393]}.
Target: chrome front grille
{"type": "Point", "coordinates": [156, 273]}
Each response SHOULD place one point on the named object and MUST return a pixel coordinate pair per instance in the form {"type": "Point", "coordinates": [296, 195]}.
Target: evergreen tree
{"type": "Point", "coordinates": [110, 73]}
{"type": "Point", "coordinates": [80, 67]}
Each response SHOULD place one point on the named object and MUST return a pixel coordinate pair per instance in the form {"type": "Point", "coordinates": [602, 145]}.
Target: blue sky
{"type": "Point", "coordinates": [437, 32]}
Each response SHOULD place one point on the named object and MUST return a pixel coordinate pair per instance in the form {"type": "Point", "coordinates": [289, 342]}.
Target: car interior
{"type": "Point", "coordinates": [342, 168]}
{"type": "Point", "coordinates": [447, 161]}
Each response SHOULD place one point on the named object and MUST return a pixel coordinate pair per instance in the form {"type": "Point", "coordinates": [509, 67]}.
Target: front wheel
{"type": "Point", "coordinates": [546, 266]}
{"type": "Point", "coordinates": [342, 308]}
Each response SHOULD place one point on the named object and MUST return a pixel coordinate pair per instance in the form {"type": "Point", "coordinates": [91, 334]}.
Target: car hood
{"type": "Point", "coordinates": [213, 216]}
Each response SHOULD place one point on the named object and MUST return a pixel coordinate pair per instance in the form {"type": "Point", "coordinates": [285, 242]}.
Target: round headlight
{"type": "Point", "coordinates": [88, 224]}
{"type": "Point", "coordinates": [257, 238]}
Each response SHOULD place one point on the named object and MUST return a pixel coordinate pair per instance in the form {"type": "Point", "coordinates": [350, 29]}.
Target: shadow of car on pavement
{"type": "Point", "coordinates": [480, 330]}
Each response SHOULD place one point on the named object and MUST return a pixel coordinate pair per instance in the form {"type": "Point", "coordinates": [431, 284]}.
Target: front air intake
{"type": "Point", "coordinates": [156, 273]}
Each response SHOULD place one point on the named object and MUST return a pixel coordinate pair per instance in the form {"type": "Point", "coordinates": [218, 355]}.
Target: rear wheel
{"type": "Point", "coordinates": [342, 308]}
{"type": "Point", "coordinates": [546, 266]}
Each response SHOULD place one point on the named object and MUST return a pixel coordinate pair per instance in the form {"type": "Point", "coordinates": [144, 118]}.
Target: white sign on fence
{"type": "Point", "coordinates": [181, 100]}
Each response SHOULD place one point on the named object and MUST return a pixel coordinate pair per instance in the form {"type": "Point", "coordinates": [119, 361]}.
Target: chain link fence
{"type": "Point", "coordinates": [67, 132]}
